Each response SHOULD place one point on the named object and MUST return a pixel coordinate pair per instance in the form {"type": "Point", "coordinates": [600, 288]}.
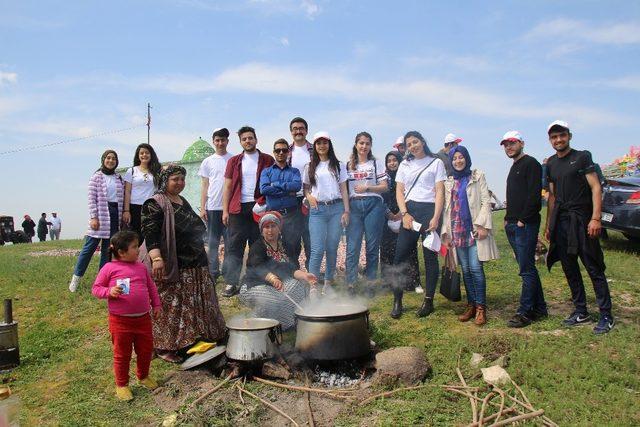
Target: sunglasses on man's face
{"type": "Point", "coordinates": [281, 150]}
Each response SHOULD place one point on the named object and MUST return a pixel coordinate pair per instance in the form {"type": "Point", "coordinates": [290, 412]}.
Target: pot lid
{"type": "Point", "coordinates": [199, 359]}
{"type": "Point", "coordinates": [334, 310]}
{"type": "Point", "coordinates": [251, 323]}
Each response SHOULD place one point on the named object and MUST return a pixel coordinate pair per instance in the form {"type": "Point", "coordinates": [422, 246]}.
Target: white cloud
{"type": "Point", "coordinates": [628, 82]}
{"type": "Point", "coordinates": [311, 8]}
{"type": "Point", "coordinates": [473, 63]}
{"type": "Point", "coordinates": [430, 93]}
{"type": "Point", "coordinates": [563, 29]}
{"type": "Point", "coordinates": [8, 78]}
{"type": "Point", "coordinates": [284, 41]}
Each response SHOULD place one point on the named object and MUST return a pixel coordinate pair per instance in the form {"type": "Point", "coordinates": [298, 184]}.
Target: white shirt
{"type": "Point", "coordinates": [327, 188]}
{"type": "Point", "coordinates": [371, 173]}
{"type": "Point", "coordinates": [249, 177]}
{"type": "Point", "coordinates": [142, 185]}
{"type": "Point", "coordinates": [110, 181]}
{"type": "Point", "coordinates": [213, 168]}
{"type": "Point", "coordinates": [56, 224]}
{"type": "Point", "coordinates": [425, 188]}
{"type": "Point", "coordinates": [300, 157]}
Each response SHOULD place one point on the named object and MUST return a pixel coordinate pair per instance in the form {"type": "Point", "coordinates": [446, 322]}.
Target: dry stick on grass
{"type": "Point", "coordinates": [210, 392]}
{"type": "Point", "coordinates": [389, 393]}
{"type": "Point", "coordinates": [268, 405]}
{"type": "Point", "coordinates": [522, 417]}
{"type": "Point", "coordinates": [502, 398]}
{"type": "Point", "coordinates": [492, 416]}
{"type": "Point", "coordinates": [486, 399]}
{"type": "Point", "coordinates": [307, 395]}
{"type": "Point", "coordinates": [474, 407]}
{"type": "Point", "coordinates": [329, 393]}
{"type": "Point", "coordinates": [546, 419]}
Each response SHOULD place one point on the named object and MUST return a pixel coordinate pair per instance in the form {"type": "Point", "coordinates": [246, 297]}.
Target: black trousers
{"type": "Point", "coordinates": [589, 252]}
{"type": "Point", "coordinates": [388, 254]}
{"type": "Point", "coordinates": [136, 221]}
{"type": "Point", "coordinates": [242, 229]}
{"type": "Point", "coordinates": [407, 240]}
{"type": "Point", "coordinates": [293, 225]}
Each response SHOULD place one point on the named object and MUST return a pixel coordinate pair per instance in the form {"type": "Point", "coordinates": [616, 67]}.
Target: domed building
{"type": "Point", "coordinates": [191, 160]}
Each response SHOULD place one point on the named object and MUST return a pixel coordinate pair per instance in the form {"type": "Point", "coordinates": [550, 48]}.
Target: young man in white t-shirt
{"type": "Point", "coordinates": [299, 156]}
{"type": "Point", "coordinates": [212, 174]}
{"type": "Point", "coordinates": [56, 226]}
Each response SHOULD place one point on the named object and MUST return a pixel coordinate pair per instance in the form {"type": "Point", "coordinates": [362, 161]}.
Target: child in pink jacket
{"type": "Point", "coordinates": [130, 293]}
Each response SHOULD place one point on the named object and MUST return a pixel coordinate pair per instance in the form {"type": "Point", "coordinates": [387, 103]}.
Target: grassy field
{"type": "Point", "coordinates": [579, 379]}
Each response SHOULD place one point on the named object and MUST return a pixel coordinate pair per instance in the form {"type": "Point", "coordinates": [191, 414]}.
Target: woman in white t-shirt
{"type": "Point", "coordinates": [325, 188]}
{"type": "Point", "coordinates": [420, 195]}
{"type": "Point", "coordinates": [141, 182]}
{"type": "Point", "coordinates": [366, 179]}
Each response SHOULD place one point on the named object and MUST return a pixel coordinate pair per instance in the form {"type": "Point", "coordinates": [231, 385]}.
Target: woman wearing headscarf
{"type": "Point", "coordinates": [29, 227]}
{"type": "Point", "coordinates": [106, 190]}
{"type": "Point", "coordinates": [389, 238]}
{"type": "Point", "coordinates": [178, 262]}
{"type": "Point", "coordinates": [467, 227]}
{"type": "Point", "coordinates": [271, 276]}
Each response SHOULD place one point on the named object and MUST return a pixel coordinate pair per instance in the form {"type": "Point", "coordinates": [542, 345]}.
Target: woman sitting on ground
{"type": "Point", "coordinates": [173, 238]}
{"type": "Point", "coordinates": [466, 227]}
{"type": "Point", "coordinates": [271, 276]}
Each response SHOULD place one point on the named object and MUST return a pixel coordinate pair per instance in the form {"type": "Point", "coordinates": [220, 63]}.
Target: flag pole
{"type": "Point", "coordinates": [148, 123]}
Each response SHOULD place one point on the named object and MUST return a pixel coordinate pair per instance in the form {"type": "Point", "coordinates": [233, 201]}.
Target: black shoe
{"type": "Point", "coordinates": [577, 319]}
{"type": "Point", "coordinates": [426, 308]}
{"type": "Point", "coordinates": [396, 312]}
{"type": "Point", "coordinates": [230, 290]}
{"type": "Point", "coordinates": [604, 325]}
{"type": "Point", "coordinates": [518, 321]}
{"type": "Point", "coordinates": [537, 316]}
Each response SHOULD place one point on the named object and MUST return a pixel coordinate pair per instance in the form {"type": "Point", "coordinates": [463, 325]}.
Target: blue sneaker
{"type": "Point", "coordinates": [604, 325]}
{"type": "Point", "coordinates": [577, 319]}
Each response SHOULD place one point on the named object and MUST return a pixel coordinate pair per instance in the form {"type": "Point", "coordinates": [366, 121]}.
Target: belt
{"type": "Point", "coordinates": [290, 209]}
{"type": "Point", "coordinates": [329, 202]}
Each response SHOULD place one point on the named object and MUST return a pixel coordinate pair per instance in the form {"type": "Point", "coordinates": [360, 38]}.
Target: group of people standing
{"type": "Point", "coordinates": [51, 226]}
{"type": "Point", "coordinates": [304, 197]}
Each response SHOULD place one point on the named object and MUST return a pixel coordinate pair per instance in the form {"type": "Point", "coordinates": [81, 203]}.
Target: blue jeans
{"type": "Point", "coordinates": [325, 230]}
{"type": "Point", "coordinates": [91, 243]}
{"type": "Point", "coordinates": [215, 230]}
{"type": "Point", "coordinates": [367, 217]}
{"type": "Point", "coordinates": [473, 273]}
{"type": "Point", "coordinates": [523, 240]}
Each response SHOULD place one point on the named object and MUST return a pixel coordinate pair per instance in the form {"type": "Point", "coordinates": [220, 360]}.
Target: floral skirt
{"type": "Point", "coordinates": [190, 311]}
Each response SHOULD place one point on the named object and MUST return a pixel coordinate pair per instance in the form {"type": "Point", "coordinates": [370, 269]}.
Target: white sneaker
{"type": "Point", "coordinates": [75, 281]}
{"type": "Point", "coordinates": [419, 290]}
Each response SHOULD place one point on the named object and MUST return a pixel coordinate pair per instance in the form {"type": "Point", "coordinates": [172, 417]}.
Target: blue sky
{"type": "Point", "coordinates": [77, 69]}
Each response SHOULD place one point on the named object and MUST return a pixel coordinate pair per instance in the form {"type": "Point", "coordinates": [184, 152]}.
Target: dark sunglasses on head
{"type": "Point", "coordinates": [281, 150]}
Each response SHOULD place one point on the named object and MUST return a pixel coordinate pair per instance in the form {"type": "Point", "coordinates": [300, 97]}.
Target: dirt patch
{"type": "Point", "coordinates": [181, 388]}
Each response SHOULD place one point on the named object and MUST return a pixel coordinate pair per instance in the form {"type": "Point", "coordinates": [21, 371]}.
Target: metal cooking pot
{"type": "Point", "coordinates": [341, 332]}
{"type": "Point", "coordinates": [253, 339]}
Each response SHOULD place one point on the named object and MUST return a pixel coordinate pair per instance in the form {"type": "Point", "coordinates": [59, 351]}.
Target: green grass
{"type": "Point", "coordinates": [579, 379]}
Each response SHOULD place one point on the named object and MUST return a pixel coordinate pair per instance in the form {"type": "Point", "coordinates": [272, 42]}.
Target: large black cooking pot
{"type": "Point", "coordinates": [340, 332]}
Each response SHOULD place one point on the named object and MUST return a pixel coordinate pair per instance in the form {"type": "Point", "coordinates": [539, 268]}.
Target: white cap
{"type": "Point", "coordinates": [512, 135]}
{"type": "Point", "coordinates": [399, 142]}
{"type": "Point", "coordinates": [452, 138]}
{"type": "Point", "coordinates": [560, 123]}
{"type": "Point", "coordinates": [320, 135]}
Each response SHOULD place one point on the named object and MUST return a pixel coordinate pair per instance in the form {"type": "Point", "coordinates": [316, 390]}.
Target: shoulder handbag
{"type": "Point", "coordinates": [418, 177]}
{"type": "Point", "coordinates": [450, 280]}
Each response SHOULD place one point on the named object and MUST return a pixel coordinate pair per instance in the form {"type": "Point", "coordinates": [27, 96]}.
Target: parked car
{"type": "Point", "coordinates": [621, 206]}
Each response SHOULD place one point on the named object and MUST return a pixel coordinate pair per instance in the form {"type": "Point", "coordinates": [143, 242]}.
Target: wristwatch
{"type": "Point", "coordinates": [403, 213]}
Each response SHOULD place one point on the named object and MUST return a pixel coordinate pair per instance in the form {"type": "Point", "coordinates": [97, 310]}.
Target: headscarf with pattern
{"type": "Point", "coordinates": [171, 169]}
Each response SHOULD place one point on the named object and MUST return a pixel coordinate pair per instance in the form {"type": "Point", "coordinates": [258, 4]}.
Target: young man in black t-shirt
{"type": "Point", "coordinates": [521, 224]}
{"type": "Point", "coordinates": [573, 225]}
